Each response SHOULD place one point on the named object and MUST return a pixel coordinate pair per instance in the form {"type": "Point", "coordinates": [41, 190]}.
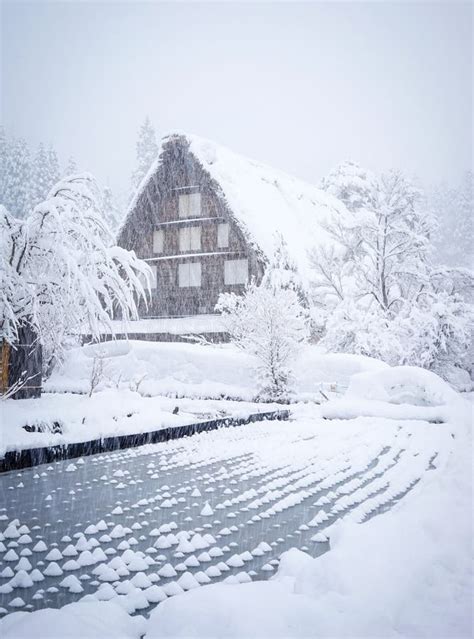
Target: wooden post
{"type": "Point", "coordinates": [4, 365]}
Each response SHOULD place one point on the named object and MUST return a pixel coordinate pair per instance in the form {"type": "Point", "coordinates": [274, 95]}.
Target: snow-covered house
{"type": "Point", "coordinates": [206, 219]}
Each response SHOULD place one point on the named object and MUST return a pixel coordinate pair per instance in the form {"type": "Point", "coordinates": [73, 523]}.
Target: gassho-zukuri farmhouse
{"type": "Point", "coordinates": [205, 219]}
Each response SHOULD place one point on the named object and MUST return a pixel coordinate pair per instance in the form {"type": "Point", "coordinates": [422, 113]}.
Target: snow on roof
{"type": "Point", "coordinates": [193, 324]}
{"type": "Point", "coordinates": [264, 201]}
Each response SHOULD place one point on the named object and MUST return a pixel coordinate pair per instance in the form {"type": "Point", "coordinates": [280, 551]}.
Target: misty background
{"type": "Point", "coordinates": [300, 86]}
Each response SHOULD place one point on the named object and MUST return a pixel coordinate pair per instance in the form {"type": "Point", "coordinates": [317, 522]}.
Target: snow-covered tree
{"type": "Point", "coordinates": [351, 184]}
{"type": "Point", "coordinates": [16, 180]}
{"type": "Point", "coordinates": [147, 150]}
{"type": "Point", "coordinates": [53, 170]}
{"type": "Point", "coordinates": [112, 213]}
{"type": "Point", "coordinates": [453, 207]}
{"type": "Point", "coordinates": [436, 332]}
{"type": "Point", "coordinates": [71, 167]}
{"type": "Point", "coordinates": [384, 246]}
{"type": "Point", "coordinates": [376, 289]}
{"type": "Point", "coordinates": [39, 183]}
{"type": "Point", "coordinates": [269, 323]}
{"type": "Point", "coordinates": [4, 150]}
{"type": "Point", "coordinates": [59, 271]}
{"type": "Point", "coordinates": [282, 271]}
{"type": "Point", "coordinates": [44, 174]}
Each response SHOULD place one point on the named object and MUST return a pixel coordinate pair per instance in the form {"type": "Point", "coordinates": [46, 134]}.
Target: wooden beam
{"type": "Point", "coordinates": [4, 362]}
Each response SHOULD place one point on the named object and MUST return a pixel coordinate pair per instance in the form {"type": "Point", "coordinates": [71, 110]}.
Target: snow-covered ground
{"type": "Point", "coordinates": [185, 535]}
{"type": "Point", "coordinates": [142, 383]}
{"type": "Point", "coordinates": [146, 529]}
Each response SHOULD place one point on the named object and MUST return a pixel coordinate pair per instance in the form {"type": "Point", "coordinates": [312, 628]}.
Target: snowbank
{"type": "Point", "coordinates": [401, 392]}
{"type": "Point", "coordinates": [197, 371]}
{"type": "Point", "coordinates": [254, 610]}
{"type": "Point", "coordinates": [107, 413]}
{"type": "Point", "coordinates": [82, 620]}
{"type": "Point", "coordinates": [158, 368]}
{"type": "Point", "coordinates": [82, 418]}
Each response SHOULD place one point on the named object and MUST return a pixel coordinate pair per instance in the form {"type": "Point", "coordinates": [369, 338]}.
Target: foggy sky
{"type": "Point", "coordinates": [300, 86]}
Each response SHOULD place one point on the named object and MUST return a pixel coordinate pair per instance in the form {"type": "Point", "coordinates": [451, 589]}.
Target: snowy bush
{"type": "Point", "coordinates": [59, 271]}
{"type": "Point", "coordinates": [270, 323]}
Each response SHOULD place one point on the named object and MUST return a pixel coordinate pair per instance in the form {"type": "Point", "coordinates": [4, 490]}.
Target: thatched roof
{"type": "Point", "coordinates": [264, 201]}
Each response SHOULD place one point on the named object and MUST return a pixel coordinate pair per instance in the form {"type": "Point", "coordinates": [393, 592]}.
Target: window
{"type": "Point", "coordinates": [158, 239]}
{"type": "Point", "coordinates": [154, 276]}
{"type": "Point", "coordinates": [236, 271]}
{"type": "Point", "coordinates": [190, 238]}
{"type": "Point", "coordinates": [189, 205]}
{"type": "Point", "coordinates": [153, 279]}
{"type": "Point", "coordinates": [222, 235]}
{"type": "Point", "coordinates": [189, 274]}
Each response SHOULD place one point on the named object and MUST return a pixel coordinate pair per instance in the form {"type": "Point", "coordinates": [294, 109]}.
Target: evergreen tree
{"type": "Point", "coordinates": [112, 213]}
{"type": "Point", "coordinates": [453, 207]}
{"type": "Point", "coordinates": [3, 161]}
{"type": "Point", "coordinates": [282, 272]}
{"type": "Point", "coordinates": [44, 174]}
{"type": "Point", "coordinates": [53, 172]}
{"type": "Point", "coordinates": [71, 167]}
{"type": "Point", "coordinates": [39, 177]}
{"type": "Point", "coordinates": [147, 150]}
{"type": "Point", "coordinates": [464, 222]}
{"type": "Point", "coordinates": [16, 187]}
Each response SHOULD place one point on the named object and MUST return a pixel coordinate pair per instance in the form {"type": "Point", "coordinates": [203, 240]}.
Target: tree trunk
{"type": "Point", "coordinates": [25, 364]}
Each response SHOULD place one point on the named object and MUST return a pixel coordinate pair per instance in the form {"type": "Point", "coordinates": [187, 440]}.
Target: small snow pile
{"type": "Point", "coordinates": [207, 510]}
{"type": "Point", "coordinates": [81, 620]}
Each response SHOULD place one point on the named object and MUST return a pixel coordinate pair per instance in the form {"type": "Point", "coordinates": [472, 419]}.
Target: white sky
{"type": "Point", "coordinates": [300, 86]}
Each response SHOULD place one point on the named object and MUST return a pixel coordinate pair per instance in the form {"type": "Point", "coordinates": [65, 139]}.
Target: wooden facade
{"type": "Point", "coordinates": [181, 224]}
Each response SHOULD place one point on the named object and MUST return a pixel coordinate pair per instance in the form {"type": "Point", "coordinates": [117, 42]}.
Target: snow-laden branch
{"type": "Point", "coordinates": [59, 272]}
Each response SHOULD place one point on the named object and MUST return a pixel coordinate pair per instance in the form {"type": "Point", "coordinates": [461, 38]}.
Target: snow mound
{"type": "Point", "coordinates": [250, 610]}
{"type": "Point", "coordinates": [81, 620]}
{"type": "Point", "coordinates": [402, 385]}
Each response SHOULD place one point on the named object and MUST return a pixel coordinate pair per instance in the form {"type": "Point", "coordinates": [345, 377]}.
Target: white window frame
{"type": "Point", "coordinates": [189, 274]}
{"type": "Point", "coordinates": [189, 205]}
{"type": "Point", "coordinates": [158, 240]}
{"type": "Point", "coordinates": [236, 272]}
{"type": "Point", "coordinates": [189, 239]}
{"type": "Point", "coordinates": [223, 235]}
